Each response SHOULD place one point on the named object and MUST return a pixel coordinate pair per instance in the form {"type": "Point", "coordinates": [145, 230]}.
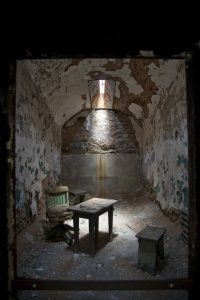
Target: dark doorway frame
{"type": "Point", "coordinates": [9, 280]}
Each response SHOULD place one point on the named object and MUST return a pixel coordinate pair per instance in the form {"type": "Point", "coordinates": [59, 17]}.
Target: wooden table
{"type": "Point", "coordinates": [91, 210]}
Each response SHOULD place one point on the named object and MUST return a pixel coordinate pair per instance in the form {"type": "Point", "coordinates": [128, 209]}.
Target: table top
{"type": "Point", "coordinates": [93, 205]}
{"type": "Point", "coordinates": [151, 233]}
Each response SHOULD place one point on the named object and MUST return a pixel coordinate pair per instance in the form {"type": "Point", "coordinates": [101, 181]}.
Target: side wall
{"type": "Point", "coordinates": [38, 148]}
{"type": "Point", "coordinates": [165, 140]}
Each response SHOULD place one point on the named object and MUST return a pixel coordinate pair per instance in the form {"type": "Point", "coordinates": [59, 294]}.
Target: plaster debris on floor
{"type": "Point", "coordinates": [116, 260]}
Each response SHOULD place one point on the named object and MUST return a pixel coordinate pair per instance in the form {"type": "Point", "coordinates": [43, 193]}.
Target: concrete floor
{"type": "Point", "coordinates": [117, 260]}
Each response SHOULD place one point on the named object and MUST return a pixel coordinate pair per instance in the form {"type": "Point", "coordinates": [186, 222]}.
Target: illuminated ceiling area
{"type": "Point", "coordinates": [66, 83]}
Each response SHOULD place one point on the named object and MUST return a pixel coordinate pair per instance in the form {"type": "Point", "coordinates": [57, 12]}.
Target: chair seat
{"type": "Point", "coordinates": [58, 214]}
{"type": "Point", "coordinates": [57, 210]}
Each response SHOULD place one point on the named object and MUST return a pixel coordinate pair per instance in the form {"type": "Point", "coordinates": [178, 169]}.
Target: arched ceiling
{"type": "Point", "coordinates": [64, 83]}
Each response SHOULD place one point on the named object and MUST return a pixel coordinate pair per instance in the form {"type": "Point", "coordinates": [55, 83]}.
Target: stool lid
{"type": "Point", "coordinates": [151, 232]}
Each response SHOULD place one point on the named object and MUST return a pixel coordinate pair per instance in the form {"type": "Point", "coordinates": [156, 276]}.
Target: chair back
{"type": "Point", "coordinates": [57, 196]}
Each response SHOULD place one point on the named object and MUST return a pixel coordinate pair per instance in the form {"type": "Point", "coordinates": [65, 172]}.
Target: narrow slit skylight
{"type": "Point", "coordinates": [102, 86]}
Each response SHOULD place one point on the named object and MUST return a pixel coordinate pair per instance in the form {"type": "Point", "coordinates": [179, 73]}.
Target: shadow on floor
{"type": "Point", "coordinates": [102, 241]}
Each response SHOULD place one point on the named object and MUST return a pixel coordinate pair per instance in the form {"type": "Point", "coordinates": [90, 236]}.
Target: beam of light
{"type": "Point", "coordinates": [102, 86]}
{"type": "Point", "coordinates": [100, 101]}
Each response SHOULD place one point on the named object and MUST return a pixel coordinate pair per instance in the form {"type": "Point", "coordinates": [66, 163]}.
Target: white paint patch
{"type": "Point", "coordinates": [136, 110]}
{"type": "Point", "coordinates": [125, 74]}
{"type": "Point", "coordinates": [165, 74]}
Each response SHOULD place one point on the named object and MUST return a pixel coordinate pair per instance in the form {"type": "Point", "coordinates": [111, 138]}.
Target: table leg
{"type": "Point", "coordinates": [76, 233]}
{"type": "Point", "coordinates": [147, 254]}
{"type": "Point", "coordinates": [92, 234]}
{"type": "Point", "coordinates": [96, 228]}
{"type": "Point", "coordinates": [110, 222]}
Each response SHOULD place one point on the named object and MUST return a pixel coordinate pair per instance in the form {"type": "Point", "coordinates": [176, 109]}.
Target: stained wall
{"type": "Point", "coordinates": [164, 137]}
{"type": "Point", "coordinates": [38, 148]}
{"type": "Point", "coordinates": [150, 92]}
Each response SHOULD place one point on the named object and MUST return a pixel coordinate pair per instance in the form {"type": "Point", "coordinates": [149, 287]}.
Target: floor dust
{"type": "Point", "coordinates": [116, 260]}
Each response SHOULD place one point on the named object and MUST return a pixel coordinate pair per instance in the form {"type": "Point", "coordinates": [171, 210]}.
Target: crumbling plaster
{"type": "Point", "coordinates": [165, 140]}
{"type": "Point", "coordinates": [150, 91]}
{"type": "Point", "coordinates": [64, 83]}
{"type": "Point", "coordinates": [38, 147]}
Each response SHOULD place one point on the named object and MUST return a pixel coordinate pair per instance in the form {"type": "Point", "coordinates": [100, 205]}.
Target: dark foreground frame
{"type": "Point", "coordinates": [10, 283]}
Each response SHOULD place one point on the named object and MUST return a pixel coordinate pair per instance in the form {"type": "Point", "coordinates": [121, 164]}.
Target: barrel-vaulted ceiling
{"type": "Point", "coordinates": [64, 83]}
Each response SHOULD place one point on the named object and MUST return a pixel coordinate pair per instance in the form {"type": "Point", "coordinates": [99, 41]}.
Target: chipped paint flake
{"type": "Point", "coordinates": [136, 110]}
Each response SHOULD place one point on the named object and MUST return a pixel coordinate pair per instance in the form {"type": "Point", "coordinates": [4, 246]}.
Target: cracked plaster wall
{"type": "Point", "coordinates": [64, 83]}
{"type": "Point", "coordinates": [38, 148]}
{"type": "Point", "coordinates": [165, 140]}
{"type": "Point", "coordinates": [150, 91]}
{"type": "Point", "coordinates": [153, 94]}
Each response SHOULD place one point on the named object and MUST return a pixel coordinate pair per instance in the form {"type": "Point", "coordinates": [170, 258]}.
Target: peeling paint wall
{"type": "Point", "coordinates": [151, 92]}
{"type": "Point", "coordinates": [38, 147]}
{"type": "Point", "coordinates": [65, 84]}
{"type": "Point", "coordinates": [165, 141]}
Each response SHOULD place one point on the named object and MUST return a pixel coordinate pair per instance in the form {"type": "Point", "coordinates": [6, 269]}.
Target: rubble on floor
{"type": "Point", "coordinates": [117, 260]}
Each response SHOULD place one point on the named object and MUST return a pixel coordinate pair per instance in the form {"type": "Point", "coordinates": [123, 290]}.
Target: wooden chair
{"type": "Point", "coordinates": [57, 203]}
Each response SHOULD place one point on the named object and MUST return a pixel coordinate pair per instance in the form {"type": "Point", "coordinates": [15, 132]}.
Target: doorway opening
{"type": "Point", "coordinates": [137, 154]}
